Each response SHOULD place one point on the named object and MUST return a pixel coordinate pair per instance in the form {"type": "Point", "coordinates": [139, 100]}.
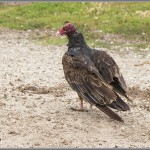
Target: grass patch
{"type": "Point", "coordinates": [54, 41]}
{"type": "Point", "coordinates": [127, 18]}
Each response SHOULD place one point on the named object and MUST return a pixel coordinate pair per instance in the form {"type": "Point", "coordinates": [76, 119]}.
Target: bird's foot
{"type": "Point", "coordinates": [78, 109]}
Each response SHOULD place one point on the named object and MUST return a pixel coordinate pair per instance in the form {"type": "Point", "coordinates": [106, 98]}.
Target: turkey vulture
{"type": "Point", "coordinates": [93, 74]}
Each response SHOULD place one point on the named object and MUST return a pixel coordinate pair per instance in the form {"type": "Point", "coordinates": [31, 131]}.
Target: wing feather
{"type": "Point", "coordinates": [110, 72]}
{"type": "Point", "coordinates": [84, 78]}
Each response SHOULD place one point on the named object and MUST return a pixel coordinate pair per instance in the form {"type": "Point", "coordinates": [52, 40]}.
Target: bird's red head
{"type": "Point", "coordinates": [67, 29]}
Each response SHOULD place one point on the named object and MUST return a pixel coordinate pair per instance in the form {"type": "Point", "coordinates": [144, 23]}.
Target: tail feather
{"type": "Point", "coordinates": [109, 112]}
{"type": "Point", "coordinates": [120, 89]}
{"type": "Point", "coordinates": [119, 104]}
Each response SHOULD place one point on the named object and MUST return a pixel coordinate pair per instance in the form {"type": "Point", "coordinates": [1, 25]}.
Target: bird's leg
{"type": "Point", "coordinates": [81, 105]}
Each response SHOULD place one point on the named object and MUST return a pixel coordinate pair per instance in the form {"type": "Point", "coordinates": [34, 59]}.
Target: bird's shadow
{"type": "Point", "coordinates": [94, 115]}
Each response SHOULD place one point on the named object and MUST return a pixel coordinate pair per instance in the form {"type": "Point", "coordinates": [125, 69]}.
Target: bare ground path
{"type": "Point", "coordinates": [35, 100]}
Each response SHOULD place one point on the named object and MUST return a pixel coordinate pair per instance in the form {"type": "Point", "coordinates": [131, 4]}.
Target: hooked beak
{"type": "Point", "coordinates": [60, 32]}
{"type": "Point", "coordinates": [57, 33]}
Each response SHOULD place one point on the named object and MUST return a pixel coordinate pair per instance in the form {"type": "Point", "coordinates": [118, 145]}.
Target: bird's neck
{"type": "Point", "coordinates": [76, 40]}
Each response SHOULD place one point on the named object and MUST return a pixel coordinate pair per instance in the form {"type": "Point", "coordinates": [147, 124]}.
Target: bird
{"type": "Point", "coordinates": [93, 74]}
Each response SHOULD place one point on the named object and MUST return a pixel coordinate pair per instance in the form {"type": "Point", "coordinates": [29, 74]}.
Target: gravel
{"type": "Point", "coordinates": [35, 100]}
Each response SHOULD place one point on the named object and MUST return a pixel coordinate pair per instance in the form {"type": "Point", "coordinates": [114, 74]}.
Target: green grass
{"type": "Point", "coordinates": [111, 17]}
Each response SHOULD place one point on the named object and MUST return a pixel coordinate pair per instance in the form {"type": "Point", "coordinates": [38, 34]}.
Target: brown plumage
{"type": "Point", "coordinates": [93, 74]}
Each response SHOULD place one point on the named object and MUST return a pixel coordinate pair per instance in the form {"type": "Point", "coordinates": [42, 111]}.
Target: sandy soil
{"type": "Point", "coordinates": [35, 100]}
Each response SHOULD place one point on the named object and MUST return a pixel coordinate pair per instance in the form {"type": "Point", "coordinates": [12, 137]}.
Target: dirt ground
{"type": "Point", "coordinates": [35, 100]}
